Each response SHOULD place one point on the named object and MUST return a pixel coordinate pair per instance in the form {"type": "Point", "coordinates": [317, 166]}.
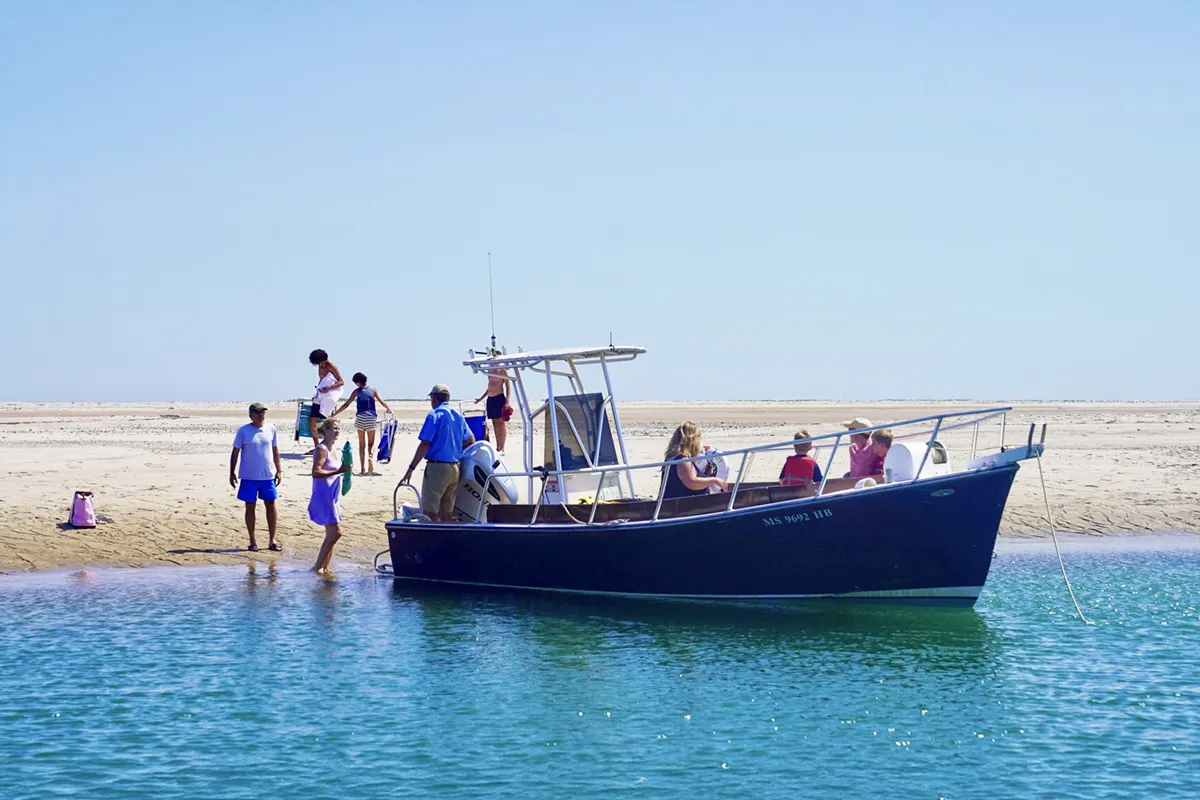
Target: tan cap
{"type": "Point", "coordinates": [439, 388]}
{"type": "Point", "coordinates": [857, 422]}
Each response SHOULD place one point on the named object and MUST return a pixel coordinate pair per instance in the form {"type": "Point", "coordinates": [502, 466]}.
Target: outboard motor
{"type": "Point", "coordinates": [904, 458]}
{"type": "Point", "coordinates": [478, 462]}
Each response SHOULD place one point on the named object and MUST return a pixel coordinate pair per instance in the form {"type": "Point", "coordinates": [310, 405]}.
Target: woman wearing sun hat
{"type": "Point", "coordinates": [861, 455]}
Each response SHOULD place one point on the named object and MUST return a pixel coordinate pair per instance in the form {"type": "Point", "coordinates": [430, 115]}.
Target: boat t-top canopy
{"type": "Point", "coordinates": [577, 428]}
{"type": "Point", "coordinates": [581, 356]}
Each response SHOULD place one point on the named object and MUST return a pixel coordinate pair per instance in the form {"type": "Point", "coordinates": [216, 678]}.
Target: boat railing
{"type": "Point", "coordinates": [965, 419]}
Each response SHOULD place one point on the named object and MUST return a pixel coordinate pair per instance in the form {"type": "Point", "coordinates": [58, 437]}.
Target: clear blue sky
{"type": "Point", "coordinates": [779, 200]}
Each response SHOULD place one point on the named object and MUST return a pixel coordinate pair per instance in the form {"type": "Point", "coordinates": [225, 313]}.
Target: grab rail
{"type": "Point", "coordinates": [396, 491]}
{"type": "Point", "coordinates": [747, 453]}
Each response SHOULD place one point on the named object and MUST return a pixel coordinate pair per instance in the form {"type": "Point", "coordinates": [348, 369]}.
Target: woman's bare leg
{"type": "Point", "coordinates": [371, 451]}
{"type": "Point", "coordinates": [325, 555]}
{"type": "Point", "coordinates": [362, 451]}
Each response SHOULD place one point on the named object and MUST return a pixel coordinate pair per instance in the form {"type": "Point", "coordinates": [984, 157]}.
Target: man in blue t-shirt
{"type": "Point", "coordinates": [258, 445]}
{"type": "Point", "coordinates": [443, 437]}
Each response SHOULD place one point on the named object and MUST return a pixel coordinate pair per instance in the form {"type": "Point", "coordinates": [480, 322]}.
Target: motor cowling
{"type": "Point", "coordinates": [479, 462]}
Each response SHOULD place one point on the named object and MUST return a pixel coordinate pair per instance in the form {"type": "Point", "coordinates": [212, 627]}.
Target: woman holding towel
{"type": "Point", "coordinates": [323, 507]}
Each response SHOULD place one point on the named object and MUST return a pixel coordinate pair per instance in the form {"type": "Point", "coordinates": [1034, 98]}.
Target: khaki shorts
{"type": "Point", "coordinates": [438, 488]}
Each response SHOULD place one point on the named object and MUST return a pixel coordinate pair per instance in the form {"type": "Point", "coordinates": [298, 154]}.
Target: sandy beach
{"type": "Point", "coordinates": [159, 473]}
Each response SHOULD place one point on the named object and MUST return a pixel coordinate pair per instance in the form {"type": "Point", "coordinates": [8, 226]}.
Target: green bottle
{"type": "Point", "coordinates": [347, 461]}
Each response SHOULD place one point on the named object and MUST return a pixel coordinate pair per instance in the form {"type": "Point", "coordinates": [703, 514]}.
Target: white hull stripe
{"type": "Point", "coordinates": [946, 592]}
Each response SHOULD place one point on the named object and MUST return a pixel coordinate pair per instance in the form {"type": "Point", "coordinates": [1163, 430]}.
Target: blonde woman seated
{"type": "Point", "coordinates": [682, 479]}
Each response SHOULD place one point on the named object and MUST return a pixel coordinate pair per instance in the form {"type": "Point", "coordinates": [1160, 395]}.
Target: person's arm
{"type": "Point", "coordinates": [337, 376]}
{"type": "Point", "coordinates": [353, 396]}
{"type": "Point", "coordinates": [422, 449]}
{"type": "Point", "coordinates": [333, 368]}
{"type": "Point", "coordinates": [470, 440]}
{"type": "Point", "coordinates": [382, 402]}
{"type": "Point", "coordinates": [817, 478]}
{"type": "Point", "coordinates": [689, 478]}
{"type": "Point", "coordinates": [275, 453]}
{"type": "Point", "coordinates": [233, 466]}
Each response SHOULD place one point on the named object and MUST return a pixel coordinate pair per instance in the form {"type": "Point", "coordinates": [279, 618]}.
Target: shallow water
{"type": "Point", "coordinates": [224, 682]}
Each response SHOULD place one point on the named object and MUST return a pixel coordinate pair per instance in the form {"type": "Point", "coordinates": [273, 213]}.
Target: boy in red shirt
{"type": "Point", "coordinates": [800, 469]}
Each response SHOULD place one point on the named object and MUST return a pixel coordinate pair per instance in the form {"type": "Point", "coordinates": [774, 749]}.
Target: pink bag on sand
{"type": "Point", "coordinates": [83, 511]}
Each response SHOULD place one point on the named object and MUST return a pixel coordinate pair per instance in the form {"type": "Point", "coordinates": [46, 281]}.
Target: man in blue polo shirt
{"type": "Point", "coordinates": [443, 437]}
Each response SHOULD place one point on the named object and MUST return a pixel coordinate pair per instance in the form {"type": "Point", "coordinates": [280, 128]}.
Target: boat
{"type": "Point", "coordinates": [571, 520]}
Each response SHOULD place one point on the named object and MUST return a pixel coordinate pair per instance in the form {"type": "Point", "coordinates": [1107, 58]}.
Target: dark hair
{"type": "Point", "coordinates": [317, 356]}
{"type": "Point", "coordinates": [360, 379]}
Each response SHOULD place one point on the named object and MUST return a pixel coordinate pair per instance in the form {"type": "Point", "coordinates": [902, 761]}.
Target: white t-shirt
{"type": "Point", "coordinates": [258, 463]}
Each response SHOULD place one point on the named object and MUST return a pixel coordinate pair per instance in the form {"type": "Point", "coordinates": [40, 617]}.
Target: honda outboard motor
{"type": "Point", "coordinates": [478, 462]}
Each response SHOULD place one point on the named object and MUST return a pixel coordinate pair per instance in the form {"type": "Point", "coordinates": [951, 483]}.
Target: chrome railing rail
{"type": "Point", "coordinates": [396, 491]}
{"type": "Point", "coordinates": [977, 416]}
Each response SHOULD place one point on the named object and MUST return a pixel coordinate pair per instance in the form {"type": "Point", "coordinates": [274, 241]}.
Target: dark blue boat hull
{"type": "Point", "coordinates": [930, 541]}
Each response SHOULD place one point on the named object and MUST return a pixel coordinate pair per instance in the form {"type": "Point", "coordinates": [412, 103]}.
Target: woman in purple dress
{"type": "Point", "coordinates": [326, 490]}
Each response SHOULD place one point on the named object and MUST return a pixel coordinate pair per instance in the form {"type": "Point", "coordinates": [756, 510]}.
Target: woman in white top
{"type": "Point", "coordinates": [329, 391]}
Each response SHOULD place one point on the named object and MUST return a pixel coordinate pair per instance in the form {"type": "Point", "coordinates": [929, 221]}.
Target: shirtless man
{"type": "Point", "coordinates": [329, 389]}
{"type": "Point", "coordinates": [498, 407]}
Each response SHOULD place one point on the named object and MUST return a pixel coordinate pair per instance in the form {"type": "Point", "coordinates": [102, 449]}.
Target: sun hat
{"type": "Point", "coordinates": [257, 407]}
{"type": "Point", "coordinates": [439, 388]}
{"type": "Point", "coordinates": [857, 422]}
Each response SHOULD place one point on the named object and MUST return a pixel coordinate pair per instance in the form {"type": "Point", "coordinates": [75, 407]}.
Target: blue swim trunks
{"type": "Point", "coordinates": [252, 491]}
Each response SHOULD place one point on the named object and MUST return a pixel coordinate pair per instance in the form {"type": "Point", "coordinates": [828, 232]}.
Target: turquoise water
{"type": "Point", "coordinates": [229, 682]}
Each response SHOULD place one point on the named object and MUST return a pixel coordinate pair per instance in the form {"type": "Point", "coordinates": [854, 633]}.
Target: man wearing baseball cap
{"type": "Point", "coordinates": [861, 455]}
{"type": "Point", "coordinates": [443, 437]}
{"type": "Point", "coordinates": [258, 445]}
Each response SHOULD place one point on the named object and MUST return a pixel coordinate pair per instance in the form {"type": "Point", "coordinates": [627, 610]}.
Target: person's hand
{"type": "Point", "coordinates": [723, 484]}
{"type": "Point", "coordinates": [278, 477]}
{"type": "Point", "coordinates": [345, 468]}
{"type": "Point", "coordinates": [407, 475]}
{"type": "Point", "coordinates": [233, 481]}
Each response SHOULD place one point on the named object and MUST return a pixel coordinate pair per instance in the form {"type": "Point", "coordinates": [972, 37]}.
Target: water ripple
{"type": "Point", "coordinates": [239, 682]}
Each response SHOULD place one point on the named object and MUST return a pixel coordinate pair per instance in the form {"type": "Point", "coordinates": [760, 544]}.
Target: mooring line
{"type": "Point", "coordinates": [1054, 537]}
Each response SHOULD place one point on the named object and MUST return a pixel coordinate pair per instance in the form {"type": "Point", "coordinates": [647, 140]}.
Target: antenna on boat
{"type": "Point", "coordinates": [491, 301]}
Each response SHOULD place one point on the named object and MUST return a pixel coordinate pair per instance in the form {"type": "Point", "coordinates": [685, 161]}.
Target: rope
{"type": "Point", "coordinates": [572, 516]}
{"type": "Point", "coordinates": [1054, 537]}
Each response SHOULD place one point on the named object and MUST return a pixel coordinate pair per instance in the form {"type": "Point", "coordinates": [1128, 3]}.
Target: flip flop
{"type": "Point", "coordinates": [253, 548]}
{"type": "Point", "coordinates": [276, 546]}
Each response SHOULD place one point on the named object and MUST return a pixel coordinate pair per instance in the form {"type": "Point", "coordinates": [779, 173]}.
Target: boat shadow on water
{"type": "Point", "coordinates": [565, 628]}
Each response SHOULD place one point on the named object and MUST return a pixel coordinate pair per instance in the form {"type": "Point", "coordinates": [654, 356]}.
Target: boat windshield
{"type": "Point", "coordinates": [587, 415]}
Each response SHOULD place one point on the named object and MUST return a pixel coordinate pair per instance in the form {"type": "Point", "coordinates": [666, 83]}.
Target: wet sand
{"type": "Point", "coordinates": [159, 472]}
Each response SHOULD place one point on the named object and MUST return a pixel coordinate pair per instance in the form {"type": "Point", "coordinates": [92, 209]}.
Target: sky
{"type": "Point", "coordinates": [779, 200]}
